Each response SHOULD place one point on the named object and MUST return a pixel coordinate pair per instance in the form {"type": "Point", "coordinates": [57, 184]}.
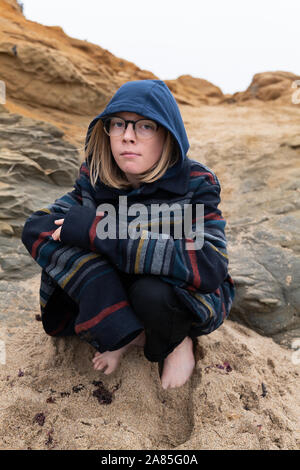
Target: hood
{"type": "Point", "coordinates": [152, 99]}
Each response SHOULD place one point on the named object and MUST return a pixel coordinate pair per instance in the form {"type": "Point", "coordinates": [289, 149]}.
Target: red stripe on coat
{"type": "Point", "coordinates": [213, 216]}
{"type": "Point", "coordinates": [92, 232]}
{"type": "Point", "coordinates": [204, 173]}
{"type": "Point", "coordinates": [193, 260]}
{"type": "Point", "coordinates": [85, 170]}
{"type": "Point", "coordinates": [103, 314]}
{"type": "Point", "coordinates": [40, 240]}
{"type": "Point", "coordinates": [191, 288]}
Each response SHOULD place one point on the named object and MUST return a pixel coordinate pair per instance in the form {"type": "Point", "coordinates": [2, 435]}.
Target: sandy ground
{"type": "Point", "coordinates": [242, 394]}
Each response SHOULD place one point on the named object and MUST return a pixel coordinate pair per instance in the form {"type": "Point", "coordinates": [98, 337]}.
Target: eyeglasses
{"type": "Point", "coordinates": [144, 128]}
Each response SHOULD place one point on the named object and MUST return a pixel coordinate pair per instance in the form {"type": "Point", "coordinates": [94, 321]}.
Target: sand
{"type": "Point", "coordinates": [242, 394]}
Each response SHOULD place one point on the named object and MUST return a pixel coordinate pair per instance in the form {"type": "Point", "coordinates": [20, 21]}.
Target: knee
{"type": "Point", "coordinates": [150, 296]}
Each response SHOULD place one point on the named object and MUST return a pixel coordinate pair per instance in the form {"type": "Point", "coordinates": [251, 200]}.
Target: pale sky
{"type": "Point", "coordinates": [223, 41]}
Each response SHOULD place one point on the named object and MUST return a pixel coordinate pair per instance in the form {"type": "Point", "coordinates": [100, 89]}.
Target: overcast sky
{"type": "Point", "coordinates": [223, 41]}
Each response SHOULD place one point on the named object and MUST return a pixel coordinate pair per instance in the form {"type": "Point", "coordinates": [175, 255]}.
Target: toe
{"type": "Point", "coordinates": [164, 385]}
{"type": "Point", "coordinates": [99, 365]}
{"type": "Point", "coordinates": [104, 368]}
{"type": "Point", "coordinates": [108, 370]}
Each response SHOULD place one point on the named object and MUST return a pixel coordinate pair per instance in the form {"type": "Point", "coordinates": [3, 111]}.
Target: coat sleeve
{"type": "Point", "coordinates": [204, 269]}
{"type": "Point", "coordinates": [39, 227]}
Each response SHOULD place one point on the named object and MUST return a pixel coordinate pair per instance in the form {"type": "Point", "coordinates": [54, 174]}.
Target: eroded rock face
{"type": "Point", "coordinates": [41, 65]}
{"type": "Point", "coordinates": [44, 67]}
{"type": "Point", "coordinates": [194, 91]}
{"type": "Point", "coordinates": [276, 86]}
{"type": "Point", "coordinates": [36, 167]}
{"type": "Point", "coordinates": [255, 152]}
{"type": "Point", "coordinates": [260, 177]}
{"type": "Point", "coordinates": [250, 139]}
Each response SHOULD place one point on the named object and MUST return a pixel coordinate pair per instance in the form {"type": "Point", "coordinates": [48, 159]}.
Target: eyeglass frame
{"type": "Point", "coordinates": [128, 121]}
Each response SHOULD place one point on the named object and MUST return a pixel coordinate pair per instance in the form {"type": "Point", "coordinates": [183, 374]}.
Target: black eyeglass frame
{"type": "Point", "coordinates": [127, 121]}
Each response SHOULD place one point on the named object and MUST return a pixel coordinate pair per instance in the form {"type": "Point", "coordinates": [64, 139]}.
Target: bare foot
{"type": "Point", "coordinates": [109, 360]}
{"type": "Point", "coordinates": [178, 365]}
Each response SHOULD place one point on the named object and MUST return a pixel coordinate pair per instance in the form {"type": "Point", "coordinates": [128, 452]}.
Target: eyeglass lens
{"type": "Point", "coordinates": [143, 127]}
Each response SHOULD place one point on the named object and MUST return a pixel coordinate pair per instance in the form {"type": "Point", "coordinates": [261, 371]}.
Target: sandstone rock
{"type": "Point", "coordinates": [250, 139]}
{"type": "Point", "coordinates": [42, 66]}
{"type": "Point", "coordinates": [15, 5]}
{"type": "Point", "coordinates": [6, 229]}
{"type": "Point", "coordinates": [268, 86]}
{"type": "Point", "coordinates": [36, 166]}
{"type": "Point", "coordinates": [293, 141]}
{"type": "Point", "coordinates": [258, 164]}
{"type": "Point", "coordinates": [194, 91]}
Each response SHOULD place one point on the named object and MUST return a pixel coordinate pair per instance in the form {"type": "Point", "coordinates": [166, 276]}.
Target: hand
{"type": "Point", "coordinates": [56, 234]}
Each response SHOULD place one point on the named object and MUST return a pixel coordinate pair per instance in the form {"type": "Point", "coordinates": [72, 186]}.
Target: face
{"type": "Point", "coordinates": [141, 154]}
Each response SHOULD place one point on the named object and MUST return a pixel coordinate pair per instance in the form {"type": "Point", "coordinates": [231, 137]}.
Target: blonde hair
{"type": "Point", "coordinates": [102, 163]}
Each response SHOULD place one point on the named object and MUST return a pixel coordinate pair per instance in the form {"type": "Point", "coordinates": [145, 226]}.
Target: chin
{"type": "Point", "coordinates": [131, 171]}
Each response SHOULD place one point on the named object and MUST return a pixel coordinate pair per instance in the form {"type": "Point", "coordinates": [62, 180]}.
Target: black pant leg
{"type": "Point", "coordinates": [166, 320]}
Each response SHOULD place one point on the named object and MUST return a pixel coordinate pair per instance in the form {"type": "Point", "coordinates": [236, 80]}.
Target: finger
{"type": "Point", "coordinates": [59, 221]}
{"type": "Point", "coordinates": [99, 213]}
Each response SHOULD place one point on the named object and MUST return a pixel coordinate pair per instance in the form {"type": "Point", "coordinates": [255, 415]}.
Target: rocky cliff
{"type": "Point", "coordinates": [56, 84]}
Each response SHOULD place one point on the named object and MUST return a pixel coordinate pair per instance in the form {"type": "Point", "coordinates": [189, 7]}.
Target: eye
{"type": "Point", "coordinates": [116, 123]}
{"type": "Point", "coordinates": [147, 125]}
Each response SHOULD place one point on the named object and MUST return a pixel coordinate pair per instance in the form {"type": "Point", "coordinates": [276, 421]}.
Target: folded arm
{"type": "Point", "coordinates": [204, 269]}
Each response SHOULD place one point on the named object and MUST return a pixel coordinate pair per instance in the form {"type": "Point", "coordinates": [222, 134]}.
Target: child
{"type": "Point", "coordinates": [146, 290]}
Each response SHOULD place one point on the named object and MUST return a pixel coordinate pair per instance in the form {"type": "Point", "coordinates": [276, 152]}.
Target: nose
{"type": "Point", "coordinates": [129, 133]}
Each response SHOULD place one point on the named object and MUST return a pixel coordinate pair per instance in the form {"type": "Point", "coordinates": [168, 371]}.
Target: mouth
{"type": "Point", "coordinates": [130, 154]}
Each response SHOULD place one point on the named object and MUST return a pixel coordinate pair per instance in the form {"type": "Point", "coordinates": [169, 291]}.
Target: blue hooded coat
{"type": "Point", "coordinates": [81, 292]}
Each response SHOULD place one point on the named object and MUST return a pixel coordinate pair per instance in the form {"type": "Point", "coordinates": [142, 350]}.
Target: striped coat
{"type": "Point", "coordinates": [84, 268]}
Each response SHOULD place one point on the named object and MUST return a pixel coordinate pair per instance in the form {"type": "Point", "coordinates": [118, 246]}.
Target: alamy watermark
{"type": "Point", "coordinates": [296, 354]}
{"type": "Point", "coordinates": [157, 217]}
{"type": "Point", "coordinates": [2, 92]}
{"type": "Point", "coordinates": [3, 336]}
{"type": "Point", "coordinates": [296, 94]}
